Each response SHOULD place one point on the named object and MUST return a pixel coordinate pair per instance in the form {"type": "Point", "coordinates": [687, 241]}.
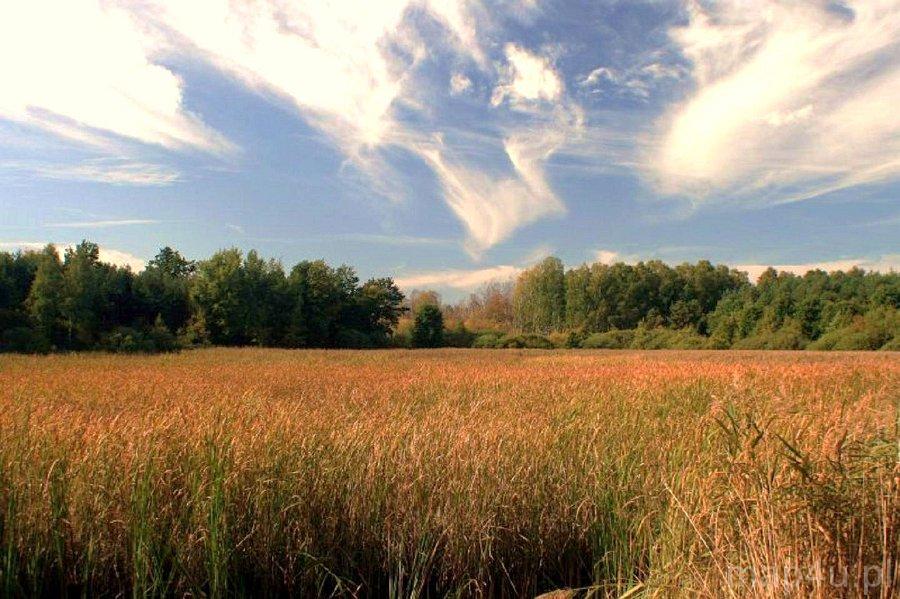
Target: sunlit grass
{"type": "Point", "coordinates": [228, 472]}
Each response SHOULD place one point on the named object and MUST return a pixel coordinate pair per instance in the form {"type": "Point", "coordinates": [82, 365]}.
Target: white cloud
{"type": "Point", "coordinates": [458, 279]}
{"type": "Point", "coordinates": [120, 258]}
{"type": "Point", "coordinates": [793, 98]}
{"type": "Point", "coordinates": [82, 69]}
{"type": "Point", "coordinates": [101, 224]}
{"type": "Point", "coordinates": [108, 255]}
{"type": "Point", "coordinates": [527, 78]}
{"type": "Point", "coordinates": [599, 74]}
{"type": "Point", "coordinates": [658, 70]}
{"type": "Point", "coordinates": [328, 59]}
{"type": "Point", "coordinates": [115, 172]}
{"type": "Point", "coordinates": [609, 257]}
{"type": "Point", "coordinates": [606, 256]}
{"type": "Point", "coordinates": [335, 62]}
{"type": "Point", "coordinates": [94, 74]}
{"type": "Point", "coordinates": [459, 84]}
{"type": "Point", "coordinates": [492, 206]}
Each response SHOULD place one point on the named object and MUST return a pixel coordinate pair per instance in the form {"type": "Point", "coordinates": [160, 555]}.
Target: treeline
{"type": "Point", "coordinates": [73, 302]}
{"type": "Point", "coordinates": [650, 305]}
{"type": "Point", "coordinates": [78, 302]}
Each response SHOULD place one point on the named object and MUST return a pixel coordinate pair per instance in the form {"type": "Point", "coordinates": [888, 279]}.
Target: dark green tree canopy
{"type": "Point", "coordinates": [428, 327]}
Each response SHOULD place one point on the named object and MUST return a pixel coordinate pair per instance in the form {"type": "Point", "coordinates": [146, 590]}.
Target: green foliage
{"type": "Point", "coordinates": [230, 299]}
{"type": "Point", "coordinates": [879, 328]}
{"type": "Point", "coordinates": [840, 310]}
{"type": "Point", "coordinates": [615, 339]}
{"type": "Point", "coordinates": [787, 336]}
{"type": "Point", "coordinates": [458, 336]}
{"type": "Point", "coordinates": [46, 295]}
{"type": "Point", "coordinates": [80, 302]}
{"type": "Point", "coordinates": [662, 338]}
{"type": "Point", "coordinates": [526, 341]}
{"type": "Point", "coordinates": [565, 339]}
{"type": "Point", "coordinates": [539, 298]}
{"type": "Point", "coordinates": [646, 338]}
{"type": "Point", "coordinates": [487, 340]}
{"type": "Point", "coordinates": [428, 327]}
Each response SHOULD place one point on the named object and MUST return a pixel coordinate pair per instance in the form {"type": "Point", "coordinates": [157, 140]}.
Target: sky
{"type": "Point", "coordinates": [447, 143]}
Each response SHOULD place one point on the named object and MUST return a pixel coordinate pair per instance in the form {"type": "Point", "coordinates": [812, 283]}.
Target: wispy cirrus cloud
{"type": "Point", "coordinates": [458, 279]}
{"type": "Point", "coordinates": [84, 70]}
{"type": "Point", "coordinates": [99, 74]}
{"type": "Point", "coordinates": [792, 100]}
{"type": "Point", "coordinates": [104, 170]}
{"type": "Point", "coordinates": [364, 62]}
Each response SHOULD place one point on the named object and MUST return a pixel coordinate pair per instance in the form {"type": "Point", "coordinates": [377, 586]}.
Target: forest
{"type": "Point", "coordinates": [75, 301]}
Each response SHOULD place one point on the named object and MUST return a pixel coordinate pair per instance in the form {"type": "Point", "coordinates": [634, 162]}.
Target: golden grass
{"type": "Point", "coordinates": [501, 473]}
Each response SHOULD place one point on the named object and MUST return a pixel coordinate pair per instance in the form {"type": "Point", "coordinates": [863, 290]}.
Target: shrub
{"type": "Point", "coordinates": [458, 336]}
{"type": "Point", "coordinates": [354, 339]}
{"type": "Point", "coordinates": [892, 345]}
{"type": "Point", "coordinates": [615, 339]}
{"type": "Point", "coordinates": [788, 336]}
{"type": "Point", "coordinates": [126, 340]}
{"type": "Point", "coordinates": [489, 339]}
{"type": "Point", "coordinates": [874, 330]}
{"type": "Point", "coordinates": [661, 338]}
{"type": "Point", "coordinates": [565, 340]}
{"type": "Point", "coordinates": [527, 341]}
{"type": "Point", "coordinates": [24, 340]}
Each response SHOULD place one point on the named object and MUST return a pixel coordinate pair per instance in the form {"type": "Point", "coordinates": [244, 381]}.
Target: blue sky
{"type": "Point", "coordinates": [449, 142]}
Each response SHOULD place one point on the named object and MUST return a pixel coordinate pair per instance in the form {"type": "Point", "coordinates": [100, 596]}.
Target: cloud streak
{"type": "Point", "coordinates": [792, 100]}
{"type": "Point", "coordinates": [83, 70]}
{"type": "Point", "coordinates": [101, 224]}
{"type": "Point", "coordinates": [113, 172]}
{"type": "Point", "coordinates": [458, 279]}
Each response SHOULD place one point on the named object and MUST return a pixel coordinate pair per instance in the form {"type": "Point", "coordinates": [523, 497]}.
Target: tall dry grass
{"type": "Point", "coordinates": [403, 474]}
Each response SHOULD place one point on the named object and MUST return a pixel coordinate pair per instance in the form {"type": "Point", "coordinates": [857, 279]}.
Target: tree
{"type": "Point", "coordinates": [45, 296]}
{"type": "Point", "coordinates": [82, 301]}
{"type": "Point", "coordinates": [380, 304]}
{"type": "Point", "coordinates": [162, 289]}
{"type": "Point", "coordinates": [319, 295]}
{"type": "Point", "coordinates": [428, 328]}
{"type": "Point", "coordinates": [539, 298]}
{"type": "Point", "coordinates": [265, 300]}
{"type": "Point", "coordinates": [217, 293]}
{"type": "Point", "coordinates": [419, 297]}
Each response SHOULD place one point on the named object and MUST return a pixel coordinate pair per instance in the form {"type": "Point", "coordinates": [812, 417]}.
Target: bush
{"type": "Point", "coordinates": [661, 338]}
{"type": "Point", "coordinates": [615, 339]}
{"type": "Point", "coordinates": [528, 341]}
{"type": "Point", "coordinates": [126, 340]}
{"type": "Point", "coordinates": [565, 340]}
{"type": "Point", "coordinates": [788, 336]}
{"type": "Point", "coordinates": [892, 345]}
{"type": "Point", "coordinates": [24, 340]}
{"type": "Point", "coordinates": [458, 336]}
{"type": "Point", "coordinates": [353, 339]}
{"type": "Point", "coordinates": [874, 330]}
{"type": "Point", "coordinates": [487, 340]}
{"type": "Point", "coordinates": [132, 340]}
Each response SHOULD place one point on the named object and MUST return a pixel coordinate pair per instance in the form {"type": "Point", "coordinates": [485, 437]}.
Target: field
{"type": "Point", "coordinates": [461, 472]}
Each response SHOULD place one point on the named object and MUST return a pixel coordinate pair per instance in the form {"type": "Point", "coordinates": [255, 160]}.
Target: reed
{"type": "Point", "coordinates": [228, 472]}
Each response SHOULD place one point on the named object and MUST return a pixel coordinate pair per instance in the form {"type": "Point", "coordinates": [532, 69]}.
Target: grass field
{"type": "Point", "coordinates": [462, 472]}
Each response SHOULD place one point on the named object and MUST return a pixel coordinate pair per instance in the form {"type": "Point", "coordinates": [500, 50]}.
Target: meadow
{"type": "Point", "coordinates": [224, 472]}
